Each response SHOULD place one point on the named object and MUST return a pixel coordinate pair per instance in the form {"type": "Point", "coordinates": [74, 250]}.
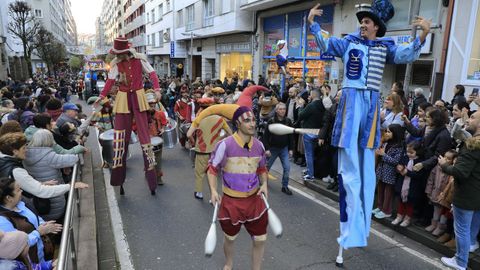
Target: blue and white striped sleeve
{"type": "Point", "coordinates": [332, 45]}
{"type": "Point", "coordinates": [404, 54]}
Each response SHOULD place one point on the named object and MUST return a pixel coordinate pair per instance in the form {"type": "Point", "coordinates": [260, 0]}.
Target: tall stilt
{"type": "Point", "coordinates": [282, 83]}
{"type": "Point", "coordinates": [339, 260]}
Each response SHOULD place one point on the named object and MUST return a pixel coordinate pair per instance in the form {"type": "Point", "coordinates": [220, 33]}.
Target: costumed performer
{"type": "Point", "coordinates": [281, 56]}
{"type": "Point", "coordinates": [210, 131]}
{"type": "Point", "coordinates": [241, 160]}
{"type": "Point", "coordinates": [357, 125]}
{"type": "Point", "coordinates": [130, 103]}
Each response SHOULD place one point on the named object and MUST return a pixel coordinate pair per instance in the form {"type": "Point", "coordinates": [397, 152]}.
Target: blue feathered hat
{"type": "Point", "coordinates": [380, 11]}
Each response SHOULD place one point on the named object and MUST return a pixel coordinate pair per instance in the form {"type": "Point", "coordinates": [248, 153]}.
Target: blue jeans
{"type": "Point", "coordinates": [282, 153]}
{"type": "Point", "coordinates": [466, 225]}
{"type": "Point", "coordinates": [309, 145]}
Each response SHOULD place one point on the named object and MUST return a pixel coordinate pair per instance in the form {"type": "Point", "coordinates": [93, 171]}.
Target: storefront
{"type": "Point", "coordinates": [304, 58]}
{"type": "Point", "coordinates": [235, 58]}
{"type": "Point", "coordinates": [463, 60]}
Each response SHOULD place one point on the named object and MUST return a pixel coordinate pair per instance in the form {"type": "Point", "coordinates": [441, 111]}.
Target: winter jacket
{"type": "Point", "coordinates": [65, 118]}
{"type": "Point", "coordinates": [456, 99]}
{"type": "Point", "coordinates": [466, 172]}
{"type": "Point", "coordinates": [312, 115]}
{"type": "Point", "coordinates": [435, 143]}
{"type": "Point", "coordinates": [278, 141]}
{"type": "Point", "coordinates": [57, 148]}
{"type": "Point", "coordinates": [386, 169]}
{"type": "Point", "coordinates": [417, 181]}
{"type": "Point", "coordinates": [30, 184]}
{"type": "Point", "coordinates": [44, 164]}
{"type": "Point", "coordinates": [436, 183]}
{"type": "Point", "coordinates": [416, 102]}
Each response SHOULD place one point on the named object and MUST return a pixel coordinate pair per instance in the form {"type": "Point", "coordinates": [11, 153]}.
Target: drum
{"type": "Point", "coordinates": [157, 143]}
{"type": "Point", "coordinates": [184, 127]}
{"type": "Point", "coordinates": [106, 141]}
{"type": "Point", "coordinates": [170, 134]}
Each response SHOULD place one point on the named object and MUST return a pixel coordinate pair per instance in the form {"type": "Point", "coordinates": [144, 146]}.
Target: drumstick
{"type": "Point", "coordinates": [273, 220]}
{"type": "Point", "coordinates": [211, 239]}
{"type": "Point", "coordinates": [280, 129]}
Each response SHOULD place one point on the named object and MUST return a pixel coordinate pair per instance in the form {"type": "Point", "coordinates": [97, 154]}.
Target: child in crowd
{"type": "Point", "coordinates": [435, 185]}
{"type": "Point", "coordinates": [445, 199]}
{"type": "Point", "coordinates": [389, 154]}
{"type": "Point", "coordinates": [411, 185]}
{"type": "Point", "coordinates": [103, 119]}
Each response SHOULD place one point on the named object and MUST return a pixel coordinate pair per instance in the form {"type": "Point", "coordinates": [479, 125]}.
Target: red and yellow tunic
{"type": "Point", "coordinates": [129, 74]}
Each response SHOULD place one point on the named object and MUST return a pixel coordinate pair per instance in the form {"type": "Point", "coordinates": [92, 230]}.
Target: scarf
{"type": "Point", "coordinates": [406, 182]}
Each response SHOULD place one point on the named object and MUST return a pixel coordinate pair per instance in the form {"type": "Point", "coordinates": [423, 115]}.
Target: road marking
{"type": "Point", "coordinates": [415, 253]}
{"type": "Point", "coordinates": [121, 244]}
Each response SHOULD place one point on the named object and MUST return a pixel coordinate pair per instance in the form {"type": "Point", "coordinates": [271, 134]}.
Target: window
{"type": "Point", "coordinates": [154, 44]}
{"type": "Point", "coordinates": [160, 12]}
{"type": "Point", "coordinates": [473, 68]}
{"type": "Point", "coordinates": [190, 18]}
{"type": "Point", "coordinates": [160, 39]}
{"type": "Point", "coordinates": [38, 13]}
{"type": "Point", "coordinates": [166, 35]}
{"type": "Point", "coordinates": [148, 17]}
{"type": "Point", "coordinates": [208, 12]}
{"type": "Point", "coordinates": [421, 73]}
{"type": "Point", "coordinates": [167, 6]}
{"type": "Point", "coordinates": [148, 40]}
{"type": "Point", "coordinates": [180, 18]}
{"type": "Point", "coordinates": [153, 15]}
{"type": "Point", "coordinates": [402, 19]}
{"type": "Point", "coordinates": [226, 6]}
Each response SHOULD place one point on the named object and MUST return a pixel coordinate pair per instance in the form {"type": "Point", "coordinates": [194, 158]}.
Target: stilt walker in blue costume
{"type": "Point", "coordinates": [356, 131]}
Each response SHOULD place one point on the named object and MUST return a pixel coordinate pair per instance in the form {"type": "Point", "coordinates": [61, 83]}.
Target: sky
{"type": "Point", "coordinates": [85, 13]}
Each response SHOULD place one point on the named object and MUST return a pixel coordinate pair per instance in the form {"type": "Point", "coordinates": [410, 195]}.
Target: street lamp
{"type": "Point", "coordinates": [191, 34]}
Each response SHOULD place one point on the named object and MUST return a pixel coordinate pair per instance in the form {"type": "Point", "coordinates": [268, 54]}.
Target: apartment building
{"type": "Point", "coordinates": [159, 25]}
{"type": "Point", "coordinates": [134, 20]}
{"type": "Point", "coordinates": [216, 37]}
{"type": "Point", "coordinates": [111, 19]}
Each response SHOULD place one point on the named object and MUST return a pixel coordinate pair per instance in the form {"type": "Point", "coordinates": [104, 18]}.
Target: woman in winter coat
{"type": "Point", "coordinates": [436, 142]}
{"type": "Point", "coordinates": [13, 152]}
{"type": "Point", "coordinates": [390, 154]}
{"type": "Point", "coordinates": [44, 165]}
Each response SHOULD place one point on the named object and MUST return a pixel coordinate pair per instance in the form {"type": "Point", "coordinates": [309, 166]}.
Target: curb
{"type": "Point", "coordinates": [413, 232]}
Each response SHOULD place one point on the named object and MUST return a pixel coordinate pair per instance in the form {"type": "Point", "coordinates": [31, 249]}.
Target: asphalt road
{"type": "Point", "coordinates": [167, 231]}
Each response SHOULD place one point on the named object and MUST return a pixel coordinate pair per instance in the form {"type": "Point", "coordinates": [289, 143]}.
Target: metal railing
{"type": "Point", "coordinates": [68, 237]}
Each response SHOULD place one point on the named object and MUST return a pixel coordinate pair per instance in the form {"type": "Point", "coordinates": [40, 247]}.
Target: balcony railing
{"type": "Point", "coordinates": [189, 26]}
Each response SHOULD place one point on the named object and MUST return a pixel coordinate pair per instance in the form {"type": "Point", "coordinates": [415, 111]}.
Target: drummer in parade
{"type": "Point", "coordinates": [157, 122]}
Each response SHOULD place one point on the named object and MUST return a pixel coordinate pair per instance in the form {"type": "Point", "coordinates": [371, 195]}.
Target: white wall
{"type": "Point", "coordinates": [462, 28]}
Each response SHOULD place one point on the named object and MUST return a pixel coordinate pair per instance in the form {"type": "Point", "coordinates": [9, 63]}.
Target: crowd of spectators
{"type": "Point", "coordinates": [41, 137]}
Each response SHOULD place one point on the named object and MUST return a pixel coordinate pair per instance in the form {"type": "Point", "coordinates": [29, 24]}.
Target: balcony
{"type": "Point", "coordinates": [207, 21]}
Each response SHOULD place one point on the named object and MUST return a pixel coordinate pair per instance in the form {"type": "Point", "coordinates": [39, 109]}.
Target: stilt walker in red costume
{"type": "Point", "coordinates": [127, 71]}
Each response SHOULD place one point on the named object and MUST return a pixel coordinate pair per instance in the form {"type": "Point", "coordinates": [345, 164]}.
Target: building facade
{"type": "Point", "coordinates": [289, 22]}
{"type": "Point", "coordinates": [134, 20]}
{"type": "Point", "coordinates": [217, 38]}
{"type": "Point", "coordinates": [463, 58]}
{"type": "Point", "coordinates": [111, 18]}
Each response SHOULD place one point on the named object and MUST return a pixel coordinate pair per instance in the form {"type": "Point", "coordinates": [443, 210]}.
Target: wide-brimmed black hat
{"type": "Point", "coordinates": [380, 11]}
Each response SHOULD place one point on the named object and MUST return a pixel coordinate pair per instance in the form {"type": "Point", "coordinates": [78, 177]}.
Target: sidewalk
{"type": "Point", "coordinates": [414, 232]}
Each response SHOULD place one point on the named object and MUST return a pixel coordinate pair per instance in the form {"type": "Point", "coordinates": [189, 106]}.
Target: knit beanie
{"type": "Point", "coordinates": [12, 244]}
